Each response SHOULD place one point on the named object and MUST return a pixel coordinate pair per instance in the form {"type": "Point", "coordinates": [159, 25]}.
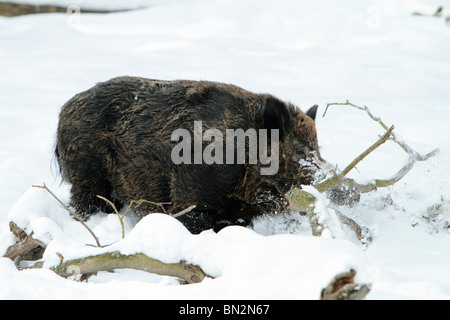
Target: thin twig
{"type": "Point", "coordinates": [133, 205]}
{"type": "Point", "coordinates": [71, 213]}
{"type": "Point", "coordinates": [188, 209]}
{"type": "Point", "coordinates": [117, 213]}
{"type": "Point", "coordinates": [137, 203]}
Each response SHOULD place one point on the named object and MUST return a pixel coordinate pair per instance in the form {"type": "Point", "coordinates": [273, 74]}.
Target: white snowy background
{"type": "Point", "coordinates": [373, 53]}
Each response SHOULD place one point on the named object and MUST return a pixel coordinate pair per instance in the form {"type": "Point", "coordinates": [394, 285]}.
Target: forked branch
{"type": "Point", "coordinates": [395, 138]}
{"type": "Point", "coordinates": [303, 201]}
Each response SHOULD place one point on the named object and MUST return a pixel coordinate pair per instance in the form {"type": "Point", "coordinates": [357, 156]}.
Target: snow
{"type": "Point", "coordinates": [373, 53]}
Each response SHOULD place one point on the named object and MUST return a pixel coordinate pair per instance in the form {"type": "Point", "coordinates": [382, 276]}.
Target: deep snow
{"type": "Point", "coordinates": [374, 53]}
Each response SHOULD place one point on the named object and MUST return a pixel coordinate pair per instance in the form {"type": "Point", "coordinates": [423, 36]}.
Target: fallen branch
{"type": "Point", "coordinates": [342, 287]}
{"type": "Point", "coordinates": [9, 9]}
{"type": "Point", "coordinates": [303, 201]}
{"type": "Point", "coordinates": [115, 260]}
{"type": "Point", "coordinates": [26, 248]}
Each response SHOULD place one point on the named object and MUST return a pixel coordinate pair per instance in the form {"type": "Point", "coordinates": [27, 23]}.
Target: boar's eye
{"type": "Point", "coordinates": [301, 152]}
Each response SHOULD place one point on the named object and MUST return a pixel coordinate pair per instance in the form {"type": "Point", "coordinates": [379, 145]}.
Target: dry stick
{"type": "Point", "coordinates": [24, 246]}
{"type": "Point", "coordinates": [188, 209]}
{"type": "Point", "coordinates": [342, 287]}
{"type": "Point", "coordinates": [117, 213]}
{"type": "Point", "coordinates": [71, 213]}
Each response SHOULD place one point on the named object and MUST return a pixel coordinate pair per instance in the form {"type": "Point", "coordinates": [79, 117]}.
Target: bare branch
{"type": "Point", "coordinates": [395, 138]}
{"type": "Point", "coordinates": [137, 203]}
{"type": "Point", "coordinates": [71, 213]}
{"type": "Point", "coordinates": [413, 157]}
{"type": "Point", "coordinates": [117, 213]}
{"type": "Point", "coordinates": [188, 209]}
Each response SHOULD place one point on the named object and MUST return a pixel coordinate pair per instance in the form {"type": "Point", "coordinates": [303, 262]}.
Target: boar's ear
{"type": "Point", "coordinates": [312, 112]}
{"type": "Point", "coordinates": [276, 116]}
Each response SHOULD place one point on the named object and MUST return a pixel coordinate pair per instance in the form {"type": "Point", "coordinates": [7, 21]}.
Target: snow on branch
{"type": "Point", "coordinates": [342, 286]}
{"type": "Point", "coordinates": [32, 249]}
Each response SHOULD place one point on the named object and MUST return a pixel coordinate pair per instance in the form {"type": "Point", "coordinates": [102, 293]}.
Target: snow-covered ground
{"type": "Point", "coordinates": [373, 53]}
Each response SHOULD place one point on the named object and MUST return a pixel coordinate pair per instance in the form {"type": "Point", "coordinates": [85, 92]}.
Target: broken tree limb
{"type": "Point", "coordinates": [343, 287]}
{"type": "Point", "coordinates": [115, 260]}
{"type": "Point", "coordinates": [304, 201]}
{"type": "Point", "coordinates": [26, 247]}
{"type": "Point", "coordinates": [11, 9]}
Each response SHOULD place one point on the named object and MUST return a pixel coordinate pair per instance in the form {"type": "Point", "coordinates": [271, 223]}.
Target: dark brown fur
{"type": "Point", "coordinates": [114, 140]}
